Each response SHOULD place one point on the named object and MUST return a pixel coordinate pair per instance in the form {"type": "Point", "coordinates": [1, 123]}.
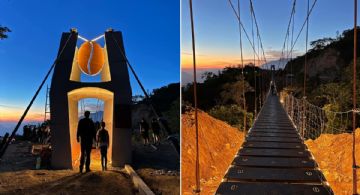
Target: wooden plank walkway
{"type": "Point", "coordinates": [273, 159]}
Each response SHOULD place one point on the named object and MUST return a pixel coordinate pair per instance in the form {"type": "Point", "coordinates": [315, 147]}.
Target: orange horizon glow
{"type": "Point", "coordinates": [214, 62]}
{"type": "Point", "coordinates": [13, 115]}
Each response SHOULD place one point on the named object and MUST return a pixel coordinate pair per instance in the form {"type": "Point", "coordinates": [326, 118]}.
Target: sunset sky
{"type": "Point", "coordinates": [217, 35]}
{"type": "Point", "coordinates": [150, 31]}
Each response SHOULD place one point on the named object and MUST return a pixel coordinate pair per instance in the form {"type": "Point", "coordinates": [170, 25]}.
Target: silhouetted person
{"type": "Point", "coordinates": [144, 130]}
{"type": "Point", "coordinates": [103, 142]}
{"type": "Point", "coordinates": [27, 132]}
{"type": "Point", "coordinates": [156, 130]}
{"type": "Point", "coordinates": [272, 88]}
{"type": "Point", "coordinates": [85, 134]}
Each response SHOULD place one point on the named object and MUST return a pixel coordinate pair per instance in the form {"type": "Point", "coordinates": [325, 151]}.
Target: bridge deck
{"type": "Point", "coordinates": [273, 159]}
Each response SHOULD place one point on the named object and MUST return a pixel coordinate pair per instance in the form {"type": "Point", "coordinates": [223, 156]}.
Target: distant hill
{"type": "Point", "coordinates": [329, 62]}
{"type": "Point", "coordinates": [187, 75]}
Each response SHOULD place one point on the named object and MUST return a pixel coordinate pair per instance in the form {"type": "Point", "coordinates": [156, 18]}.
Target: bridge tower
{"type": "Point", "coordinates": [67, 89]}
{"type": "Point", "coordinates": [272, 73]}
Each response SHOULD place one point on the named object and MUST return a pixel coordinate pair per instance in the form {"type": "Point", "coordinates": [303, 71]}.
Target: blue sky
{"type": "Point", "coordinates": [150, 31]}
{"type": "Point", "coordinates": [217, 36]}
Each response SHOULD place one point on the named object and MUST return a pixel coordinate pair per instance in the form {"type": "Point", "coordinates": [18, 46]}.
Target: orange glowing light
{"type": "Point", "coordinates": [90, 58]}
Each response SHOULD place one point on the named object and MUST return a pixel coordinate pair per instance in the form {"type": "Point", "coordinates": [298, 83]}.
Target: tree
{"type": "Point", "coordinates": [208, 75]}
{"type": "Point", "coordinates": [233, 92]}
{"type": "Point", "coordinates": [321, 43]}
{"type": "Point", "coordinates": [231, 114]}
{"type": "Point", "coordinates": [3, 31]}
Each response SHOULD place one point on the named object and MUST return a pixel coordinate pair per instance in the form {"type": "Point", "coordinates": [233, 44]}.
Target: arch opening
{"type": "Point", "coordinates": [104, 112]}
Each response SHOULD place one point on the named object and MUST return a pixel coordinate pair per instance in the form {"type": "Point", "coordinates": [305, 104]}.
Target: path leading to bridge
{"type": "Point", "coordinates": [273, 159]}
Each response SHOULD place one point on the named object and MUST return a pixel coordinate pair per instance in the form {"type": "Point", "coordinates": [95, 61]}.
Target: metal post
{"type": "Point", "coordinates": [197, 166]}
{"type": "Point", "coordinates": [354, 166]}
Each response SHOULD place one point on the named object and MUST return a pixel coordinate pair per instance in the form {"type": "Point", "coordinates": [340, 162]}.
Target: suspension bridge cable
{"type": "Point", "coordinates": [242, 70]}
{"type": "Point", "coordinates": [306, 48]}
{"type": "Point", "coordinates": [197, 164]}
{"type": "Point", "coordinates": [260, 45]}
{"type": "Point", "coordinates": [305, 67]}
{"type": "Point", "coordinates": [292, 41]}
{"type": "Point", "coordinates": [254, 69]}
{"type": "Point", "coordinates": [2, 152]}
{"type": "Point", "coordinates": [242, 26]}
{"type": "Point", "coordinates": [303, 25]}
{"type": "Point", "coordinates": [288, 30]}
{"type": "Point", "coordinates": [258, 31]}
{"type": "Point", "coordinates": [354, 168]}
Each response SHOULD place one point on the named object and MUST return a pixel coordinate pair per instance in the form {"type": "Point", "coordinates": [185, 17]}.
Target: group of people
{"type": "Point", "coordinates": [37, 134]}
{"type": "Point", "coordinates": [145, 131]}
{"type": "Point", "coordinates": [86, 133]}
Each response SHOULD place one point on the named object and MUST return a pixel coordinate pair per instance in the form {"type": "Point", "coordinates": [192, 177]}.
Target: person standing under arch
{"type": "Point", "coordinates": [103, 142]}
{"type": "Point", "coordinates": [85, 135]}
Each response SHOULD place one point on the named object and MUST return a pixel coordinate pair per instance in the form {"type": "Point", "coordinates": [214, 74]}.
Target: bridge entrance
{"type": "Point", "coordinates": [108, 62]}
{"type": "Point", "coordinates": [99, 112]}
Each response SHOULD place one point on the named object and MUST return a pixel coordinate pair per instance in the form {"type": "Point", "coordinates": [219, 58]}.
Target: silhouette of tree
{"type": "Point", "coordinates": [3, 32]}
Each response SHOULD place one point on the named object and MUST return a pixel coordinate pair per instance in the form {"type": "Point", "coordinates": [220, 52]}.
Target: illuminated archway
{"type": "Point", "coordinates": [67, 89]}
{"type": "Point", "coordinates": [89, 92]}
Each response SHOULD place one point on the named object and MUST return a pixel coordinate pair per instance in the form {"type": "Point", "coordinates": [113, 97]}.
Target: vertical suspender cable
{"type": "Point", "coordinates": [242, 71]}
{"type": "Point", "coordinates": [354, 102]}
{"type": "Point", "coordinates": [292, 41]}
{"type": "Point", "coordinates": [305, 70]}
{"type": "Point", "coordinates": [258, 40]}
{"type": "Point", "coordinates": [254, 69]}
{"type": "Point", "coordinates": [197, 166]}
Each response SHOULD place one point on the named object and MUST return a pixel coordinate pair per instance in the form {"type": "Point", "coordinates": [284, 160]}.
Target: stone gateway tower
{"type": "Point", "coordinates": [67, 89]}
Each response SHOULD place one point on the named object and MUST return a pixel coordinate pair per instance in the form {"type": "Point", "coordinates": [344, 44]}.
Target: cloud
{"type": "Point", "coordinates": [276, 54]}
{"type": "Point", "coordinates": [190, 54]}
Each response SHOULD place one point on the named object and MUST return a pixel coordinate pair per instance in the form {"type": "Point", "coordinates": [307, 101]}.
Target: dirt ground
{"type": "Point", "coordinates": [17, 176]}
{"type": "Point", "coordinates": [65, 182]}
{"type": "Point", "coordinates": [160, 169]}
{"type": "Point", "coordinates": [218, 142]}
{"type": "Point", "coordinates": [333, 153]}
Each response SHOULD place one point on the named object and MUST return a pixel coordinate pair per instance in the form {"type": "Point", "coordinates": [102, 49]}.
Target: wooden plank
{"type": "Point", "coordinates": [275, 139]}
{"type": "Point", "coordinates": [271, 134]}
{"type": "Point", "coordinates": [236, 188]}
{"type": "Point", "coordinates": [268, 174]}
{"type": "Point", "coordinates": [280, 130]}
{"type": "Point", "coordinates": [256, 144]}
{"type": "Point", "coordinates": [273, 162]}
{"type": "Point", "coordinates": [274, 152]}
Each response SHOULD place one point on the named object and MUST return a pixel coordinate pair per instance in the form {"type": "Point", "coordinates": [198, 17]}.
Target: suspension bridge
{"type": "Point", "coordinates": [274, 158]}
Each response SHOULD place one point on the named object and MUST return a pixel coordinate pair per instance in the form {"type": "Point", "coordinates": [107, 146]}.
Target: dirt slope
{"type": "Point", "coordinates": [333, 154]}
{"type": "Point", "coordinates": [65, 182]}
{"type": "Point", "coordinates": [218, 141]}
